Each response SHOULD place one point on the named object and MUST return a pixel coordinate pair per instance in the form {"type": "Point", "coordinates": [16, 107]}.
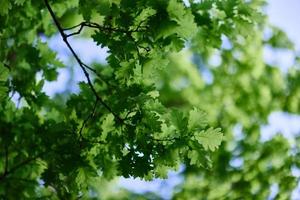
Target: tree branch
{"type": "Point", "coordinates": [82, 66]}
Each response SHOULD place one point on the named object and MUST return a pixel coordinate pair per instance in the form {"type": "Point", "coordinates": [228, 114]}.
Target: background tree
{"type": "Point", "coordinates": [149, 109]}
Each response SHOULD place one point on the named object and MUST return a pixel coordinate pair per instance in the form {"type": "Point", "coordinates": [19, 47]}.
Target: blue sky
{"type": "Point", "coordinates": [286, 14]}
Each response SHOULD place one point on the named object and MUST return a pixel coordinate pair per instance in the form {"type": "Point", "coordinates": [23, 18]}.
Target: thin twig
{"type": "Point", "coordinates": [87, 119]}
{"type": "Point", "coordinates": [72, 27]}
{"type": "Point", "coordinates": [98, 75]}
{"type": "Point", "coordinates": [77, 32]}
{"type": "Point", "coordinates": [101, 28]}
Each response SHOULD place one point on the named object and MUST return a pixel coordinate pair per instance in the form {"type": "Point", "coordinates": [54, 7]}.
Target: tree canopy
{"type": "Point", "coordinates": [151, 108]}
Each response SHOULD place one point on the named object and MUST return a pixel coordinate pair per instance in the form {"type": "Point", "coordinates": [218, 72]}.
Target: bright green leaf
{"type": "Point", "coordinates": [210, 139]}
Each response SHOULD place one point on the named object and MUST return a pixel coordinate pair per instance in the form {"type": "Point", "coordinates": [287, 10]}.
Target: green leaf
{"type": "Point", "coordinates": [83, 177]}
{"type": "Point", "coordinates": [199, 159]}
{"type": "Point", "coordinates": [193, 156]}
{"type": "Point", "coordinates": [179, 120]}
{"type": "Point", "coordinates": [107, 126]}
{"type": "Point", "coordinates": [143, 16]}
{"type": "Point", "coordinates": [103, 7]}
{"type": "Point", "coordinates": [197, 119]}
{"type": "Point", "coordinates": [186, 26]}
{"type": "Point", "coordinates": [3, 91]}
{"type": "Point", "coordinates": [19, 2]}
{"type": "Point", "coordinates": [210, 139]}
{"type": "Point", "coordinates": [50, 74]}
{"type": "Point", "coordinates": [126, 70]}
{"type": "Point", "coordinates": [5, 7]}
{"type": "Point", "coordinates": [85, 9]}
{"type": "Point", "coordinates": [4, 72]}
{"type": "Point", "coordinates": [175, 9]}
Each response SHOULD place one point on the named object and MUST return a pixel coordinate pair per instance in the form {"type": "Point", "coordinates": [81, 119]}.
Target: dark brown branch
{"type": "Point", "coordinates": [65, 39]}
